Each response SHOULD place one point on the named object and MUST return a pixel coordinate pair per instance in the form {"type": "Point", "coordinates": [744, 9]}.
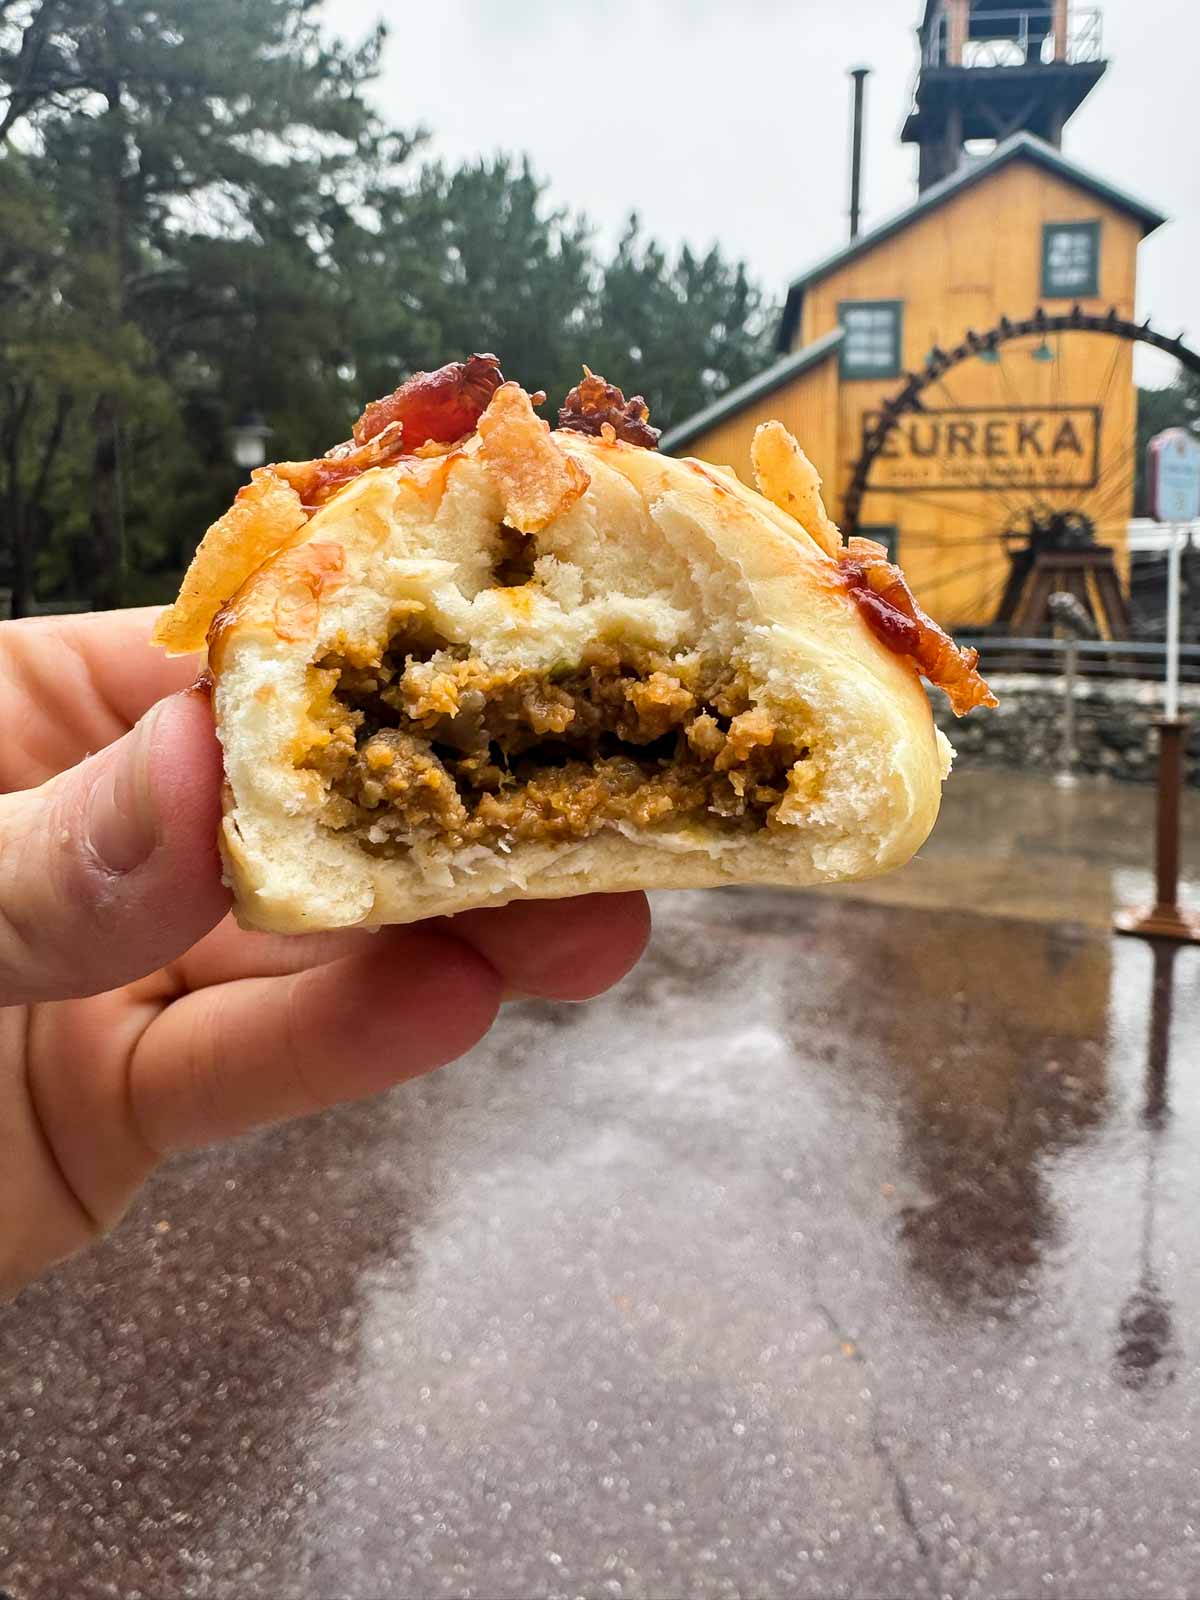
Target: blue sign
{"type": "Point", "coordinates": [1174, 461]}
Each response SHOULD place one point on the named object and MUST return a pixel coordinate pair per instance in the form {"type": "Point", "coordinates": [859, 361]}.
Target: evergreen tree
{"type": "Point", "coordinates": [195, 150]}
{"type": "Point", "coordinates": [201, 215]}
{"type": "Point", "coordinates": [45, 362]}
{"type": "Point", "coordinates": [681, 332]}
{"type": "Point", "coordinates": [485, 265]}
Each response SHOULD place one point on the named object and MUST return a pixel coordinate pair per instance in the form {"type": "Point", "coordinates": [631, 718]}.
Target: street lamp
{"type": "Point", "coordinates": [1072, 622]}
{"type": "Point", "coordinates": [248, 439]}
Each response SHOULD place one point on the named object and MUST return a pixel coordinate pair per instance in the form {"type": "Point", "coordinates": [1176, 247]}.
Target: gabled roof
{"type": "Point", "coordinates": [1021, 146]}
{"type": "Point", "coordinates": [764, 383]}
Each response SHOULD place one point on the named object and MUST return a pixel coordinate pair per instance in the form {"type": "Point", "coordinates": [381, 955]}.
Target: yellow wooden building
{"type": "Point", "coordinates": [1019, 435]}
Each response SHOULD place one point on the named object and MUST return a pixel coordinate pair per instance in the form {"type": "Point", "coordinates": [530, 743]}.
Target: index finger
{"type": "Point", "coordinates": [70, 685]}
{"type": "Point", "coordinates": [225, 1059]}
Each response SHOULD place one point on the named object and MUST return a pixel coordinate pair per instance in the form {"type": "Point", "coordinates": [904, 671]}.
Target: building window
{"type": "Point", "coordinates": [885, 533]}
{"type": "Point", "coordinates": [1071, 259]}
{"type": "Point", "coordinates": [871, 348]}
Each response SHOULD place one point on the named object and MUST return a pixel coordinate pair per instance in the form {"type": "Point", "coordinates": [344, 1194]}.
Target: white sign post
{"type": "Point", "coordinates": [1172, 695]}
{"type": "Point", "coordinates": [1173, 462]}
{"type": "Point", "coordinates": [1174, 472]}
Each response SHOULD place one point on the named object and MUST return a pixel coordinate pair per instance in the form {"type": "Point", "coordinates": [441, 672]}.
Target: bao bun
{"type": "Point", "coordinates": [630, 549]}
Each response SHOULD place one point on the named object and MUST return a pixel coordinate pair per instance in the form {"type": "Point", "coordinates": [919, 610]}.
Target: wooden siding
{"type": "Point", "coordinates": [965, 264]}
{"type": "Point", "coordinates": [807, 407]}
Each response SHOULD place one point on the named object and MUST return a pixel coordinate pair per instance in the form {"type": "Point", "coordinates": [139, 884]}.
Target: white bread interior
{"type": "Point", "coordinates": [671, 555]}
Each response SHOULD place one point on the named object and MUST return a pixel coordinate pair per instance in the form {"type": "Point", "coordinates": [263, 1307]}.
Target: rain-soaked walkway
{"type": "Point", "coordinates": [848, 1249]}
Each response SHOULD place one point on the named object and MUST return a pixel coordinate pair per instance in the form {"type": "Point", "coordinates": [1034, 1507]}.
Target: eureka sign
{"type": "Point", "coordinates": [990, 447]}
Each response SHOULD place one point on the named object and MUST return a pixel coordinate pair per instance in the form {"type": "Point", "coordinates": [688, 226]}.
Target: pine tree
{"type": "Point", "coordinates": [200, 214]}
{"type": "Point", "coordinates": [682, 331]}
{"type": "Point", "coordinates": [485, 264]}
{"type": "Point", "coordinates": [201, 154]}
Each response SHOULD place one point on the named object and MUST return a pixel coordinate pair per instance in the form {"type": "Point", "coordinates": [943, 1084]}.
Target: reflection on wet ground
{"type": "Point", "coordinates": [847, 1249]}
{"type": "Point", "coordinates": [1020, 847]}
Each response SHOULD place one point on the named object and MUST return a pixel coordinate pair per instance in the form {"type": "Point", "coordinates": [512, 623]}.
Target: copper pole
{"type": "Point", "coordinates": [1060, 30]}
{"type": "Point", "coordinates": [1170, 782]}
{"type": "Point", "coordinates": [959, 18]}
{"type": "Point", "coordinates": [1165, 920]}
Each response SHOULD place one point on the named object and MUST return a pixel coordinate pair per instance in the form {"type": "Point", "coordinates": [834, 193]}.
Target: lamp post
{"type": "Point", "coordinates": [1073, 622]}
{"type": "Point", "coordinates": [248, 439]}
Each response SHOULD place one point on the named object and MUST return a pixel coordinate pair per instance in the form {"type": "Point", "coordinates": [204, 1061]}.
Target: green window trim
{"type": "Point", "coordinates": [885, 533]}
{"type": "Point", "coordinates": [850, 368]}
{"type": "Point", "coordinates": [1074, 291]}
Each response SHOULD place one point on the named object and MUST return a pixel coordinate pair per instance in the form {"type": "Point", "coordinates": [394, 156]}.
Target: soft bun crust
{"type": "Point", "coordinates": [674, 556]}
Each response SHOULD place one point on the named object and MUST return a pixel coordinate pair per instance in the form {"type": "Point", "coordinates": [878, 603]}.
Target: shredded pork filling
{"type": "Point", "coordinates": [424, 741]}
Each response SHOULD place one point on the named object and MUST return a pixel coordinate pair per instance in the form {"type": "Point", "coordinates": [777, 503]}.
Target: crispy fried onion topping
{"type": "Point", "coordinates": [897, 621]}
{"type": "Point", "coordinates": [788, 479]}
{"type": "Point", "coordinates": [593, 404]}
{"type": "Point", "coordinates": [284, 595]}
{"type": "Point", "coordinates": [264, 518]}
{"type": "Point", "coordinates": [537, 481]}
{"type": "Point", "coordinates": [441, 406]}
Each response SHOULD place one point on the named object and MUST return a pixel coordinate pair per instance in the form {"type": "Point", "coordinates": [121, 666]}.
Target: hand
{"type": "Point", "coordinates": [138, 1018]}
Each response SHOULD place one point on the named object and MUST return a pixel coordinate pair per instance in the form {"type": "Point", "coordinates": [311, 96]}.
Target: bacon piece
{"type": "Point", "coordinates": [593, 403]}
{"type": "Point", "coordinates": [318, 481]}
{"type": "Point", "coordinates": [444, 405]}
{"type": "Point", "coordinates": [897, 621]}
{"type": "Point", "coordinates": [431, 409]}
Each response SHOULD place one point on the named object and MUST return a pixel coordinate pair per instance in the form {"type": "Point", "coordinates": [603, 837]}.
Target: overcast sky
{"type": "Point", "coordinates": [730, 121]}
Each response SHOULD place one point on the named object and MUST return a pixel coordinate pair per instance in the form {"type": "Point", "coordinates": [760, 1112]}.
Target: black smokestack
{"type": "Point", "coordinates": [859, 74]}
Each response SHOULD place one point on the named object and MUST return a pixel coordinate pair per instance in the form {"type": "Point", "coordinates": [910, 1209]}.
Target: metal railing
{"type": "Point", "coordinates": [1071, 706]}
{"type": "Point", "coordinates": [1019, 38]}
{"type": "Point", "coordinates": [1097, 658]}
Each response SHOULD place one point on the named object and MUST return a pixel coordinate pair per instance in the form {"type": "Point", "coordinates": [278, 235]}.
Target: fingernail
{"type": "Point", "coordinates": [122, 819]}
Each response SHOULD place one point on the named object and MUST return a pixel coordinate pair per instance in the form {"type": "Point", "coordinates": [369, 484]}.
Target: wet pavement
{"type": "Point", "coordinates": [849, 1248]}
{"type": "Point", "coordinates": [1020, 847]}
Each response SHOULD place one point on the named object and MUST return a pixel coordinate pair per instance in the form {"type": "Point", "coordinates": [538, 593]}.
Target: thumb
{"type": "Point", "coordinates": [110, 870]}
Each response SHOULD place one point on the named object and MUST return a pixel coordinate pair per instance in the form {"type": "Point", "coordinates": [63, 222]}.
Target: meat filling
{"type": "Point", "coordinates": [427, 742]}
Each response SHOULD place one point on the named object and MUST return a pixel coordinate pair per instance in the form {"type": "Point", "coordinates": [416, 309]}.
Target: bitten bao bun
{"type": "Point", "coordinates": [463, 660]}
